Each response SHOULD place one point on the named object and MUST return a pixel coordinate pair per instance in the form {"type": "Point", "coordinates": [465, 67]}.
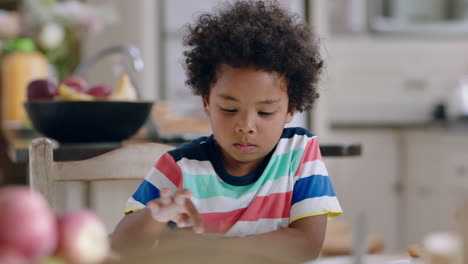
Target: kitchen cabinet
{"type": "Point", "coordinates": [369, 183]}
{"type": "Point", "coordinates": [436, 180]}
{"type": "Point", "coordinates": [375, 77]}
{"type": "Point", "coordinates": [391, 80]}
{"type": "Point", "coordinates": [377, 86]}
{"type": "Point", "coordinates": [410, 181]}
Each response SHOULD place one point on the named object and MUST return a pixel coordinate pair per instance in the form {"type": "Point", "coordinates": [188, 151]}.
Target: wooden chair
{"type": "Point", "coordinates": [102, 183]}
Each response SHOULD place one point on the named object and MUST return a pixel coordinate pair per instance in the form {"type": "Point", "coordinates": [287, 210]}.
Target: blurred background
{"type": "Point", "coordinates": [395, 82]}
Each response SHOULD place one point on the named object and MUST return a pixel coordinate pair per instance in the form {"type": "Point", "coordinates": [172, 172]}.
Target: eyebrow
{"type": "Point", "coordinates": [230, 98]}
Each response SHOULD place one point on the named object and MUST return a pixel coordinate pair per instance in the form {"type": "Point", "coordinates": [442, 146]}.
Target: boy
{"type": "Point", "coordinates": [253, 180]}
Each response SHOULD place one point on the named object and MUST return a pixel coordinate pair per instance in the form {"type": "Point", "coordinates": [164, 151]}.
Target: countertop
{"type": "Point", "coordinates": [458, 125]}
{"type": "Point", "coordinates": [18, 142]}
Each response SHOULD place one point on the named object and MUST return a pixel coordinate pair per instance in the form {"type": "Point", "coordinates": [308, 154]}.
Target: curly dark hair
{"type": "Point", "coordinates": [256, 34]}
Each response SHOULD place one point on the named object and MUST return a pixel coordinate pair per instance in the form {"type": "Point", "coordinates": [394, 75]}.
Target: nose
{"type": "Point", "coordinates": [246, 123]}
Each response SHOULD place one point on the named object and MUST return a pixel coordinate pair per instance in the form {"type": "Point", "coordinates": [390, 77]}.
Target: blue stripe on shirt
{"type": "Point", "coordinates": [146, 192]}
{"type": "Point", "coordinates": [197, 149]}
{"type": "Point", "coordinates": [290, 132]}
{"type": "Point", "coordinates": [310, 187]}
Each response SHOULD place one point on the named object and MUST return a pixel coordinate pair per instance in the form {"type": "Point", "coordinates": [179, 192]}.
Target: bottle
{"type": "Point", "coordinates": [21, 64]}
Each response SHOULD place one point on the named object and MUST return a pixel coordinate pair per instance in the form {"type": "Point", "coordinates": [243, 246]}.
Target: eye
{"type": "Point", "coordinates": [229, 110]}
{"type": "Point", "coordinates": [265, 113]}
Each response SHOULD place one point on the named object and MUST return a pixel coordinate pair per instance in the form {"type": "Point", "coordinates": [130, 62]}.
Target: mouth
{"type": "Point", "coordinates": [244, 147]}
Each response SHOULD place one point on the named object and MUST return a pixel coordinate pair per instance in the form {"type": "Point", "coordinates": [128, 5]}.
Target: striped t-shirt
{"type": "Point", "coordinates": [292, 183]}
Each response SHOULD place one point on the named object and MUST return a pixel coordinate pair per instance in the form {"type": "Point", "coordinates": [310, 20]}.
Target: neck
{"type": "Point", "coordinates": [238, 169]}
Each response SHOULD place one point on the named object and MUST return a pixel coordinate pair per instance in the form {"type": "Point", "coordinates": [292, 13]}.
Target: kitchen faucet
{"type": "Point", "coordinates": [136, 65]}
{"type": "Point", "coordinates": [131, 51]}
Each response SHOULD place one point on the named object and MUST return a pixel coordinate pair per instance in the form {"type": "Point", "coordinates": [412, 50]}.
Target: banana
{"type": "Point", "coordinates": [124, 90]}
{"type": "Point", "coordinates": [69, 94]}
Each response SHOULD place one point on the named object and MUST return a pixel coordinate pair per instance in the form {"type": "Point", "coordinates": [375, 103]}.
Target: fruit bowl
{"type": "Point", "coordinates": [87, 121]}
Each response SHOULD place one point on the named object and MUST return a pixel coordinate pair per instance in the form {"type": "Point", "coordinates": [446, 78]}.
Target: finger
{"type": "Point", "coordinates": [184, 192]}
{"type": "Point", "coordinates": [194, 216]}
{"type": "Point", "coordinates": [165, 197]}
{"type": "Point", "coordinates": [168, 213]}
{"type": "Point", "coordinates": [154, 208]}
{"type": "Point", "coordinates": [170, 204]}
{"type": "Point", "coordinates": [165, 192]}
{"type": "Point", "coordinates": [187, 193]}
{"type": "Point", "coordinates": [163, 213]}
{"type": "Point", "coordinates": [181, 195]}
{"type": "Point", "coordinates": [183, 221]}
{"type": "Point", "coordinates": [158, 212]}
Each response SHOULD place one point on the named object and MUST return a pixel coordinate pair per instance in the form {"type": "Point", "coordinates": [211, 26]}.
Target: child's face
{"type": "Point", "coordinates": [248, 110]}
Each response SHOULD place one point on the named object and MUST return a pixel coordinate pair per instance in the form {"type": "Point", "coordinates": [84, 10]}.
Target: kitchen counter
{"type": "Point", "coordinates": [460, 125]}
{"type": "Point", "coordinates": [18, 143]}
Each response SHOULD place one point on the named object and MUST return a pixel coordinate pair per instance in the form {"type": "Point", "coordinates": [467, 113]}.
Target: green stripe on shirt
{"type": "Point", "coordinates": [206, 186]}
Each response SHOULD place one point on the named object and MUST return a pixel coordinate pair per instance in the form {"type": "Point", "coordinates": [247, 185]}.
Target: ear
{"type": "Point", "coordinates": [290, 115]}
{"type": "Point", "coordinates": [206, 105]}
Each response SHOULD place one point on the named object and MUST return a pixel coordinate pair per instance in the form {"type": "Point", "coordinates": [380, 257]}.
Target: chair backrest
{"type": "Point", "coordinates": [102, 183]}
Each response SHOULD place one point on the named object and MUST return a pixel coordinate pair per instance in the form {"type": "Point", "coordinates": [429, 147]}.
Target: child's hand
{"type": "Point", "coordinates": [177, 207]}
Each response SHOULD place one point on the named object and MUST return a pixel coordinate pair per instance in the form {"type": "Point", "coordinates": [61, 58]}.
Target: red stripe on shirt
{"type": "Point", "coordinates": [311, 153]}
{"type": "Point", "coordinates": [168, 166]}
{"type": "Point", "coordinates": [273, 206]}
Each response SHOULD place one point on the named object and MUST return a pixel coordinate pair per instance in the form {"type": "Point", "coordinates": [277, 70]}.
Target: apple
{"type": "Point", "coordinates": [77, 83]}
{"type": "Point", "coordinates": [83, 237]}
{"type": "Point", "coordinates": [41, 89]}
{"type": "Point", "coordinates": [100, 91]}
{"type": "Point", "coordinates": [12, 257]}
{"type": "Point", "coordinates": [27, 225]}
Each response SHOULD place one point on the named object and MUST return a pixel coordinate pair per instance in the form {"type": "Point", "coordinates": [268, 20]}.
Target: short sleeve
{"type": "Point", "coordinates": [164, 174]}
{"type": "Point", "coordinates": [313, 192]}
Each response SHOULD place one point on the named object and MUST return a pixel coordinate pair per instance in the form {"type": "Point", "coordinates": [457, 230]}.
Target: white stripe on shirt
{"type": "Point", "coordinates": [309, 168]}
{"type": "Point", "coordinates": [196, 167]}
{"type": "Point", "coordinates": [227, 204]}
{"type": "Point", "coordinates": [159, 180]}
{"type": "Point", "coordinates": [131, 202]}
{"type": "Point", "coordinates": [297, 142]}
